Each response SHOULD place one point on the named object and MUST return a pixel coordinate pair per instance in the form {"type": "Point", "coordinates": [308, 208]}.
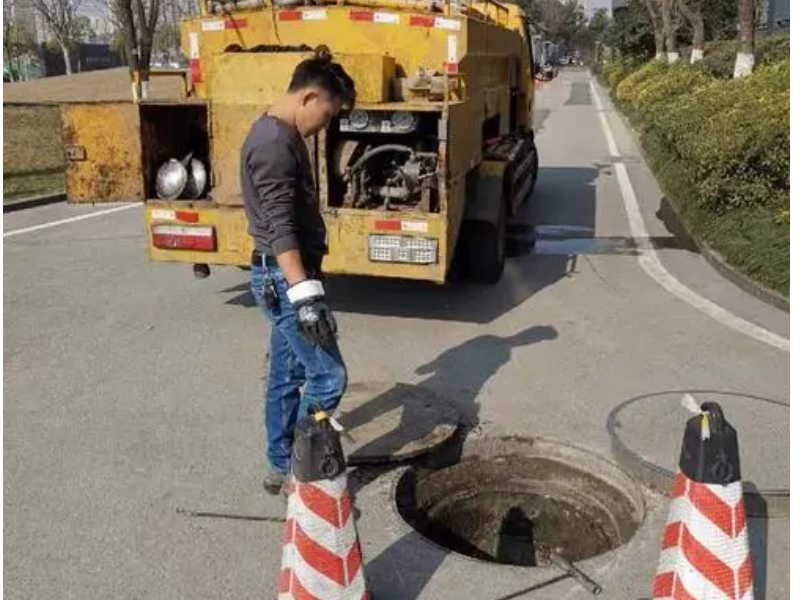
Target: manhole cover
{"type": "Point", "coordinates": [515, 500]}
{"type": "Point", "coordinates": [393, 421]}
{"type": "Point", "coordinates": [647, 434]}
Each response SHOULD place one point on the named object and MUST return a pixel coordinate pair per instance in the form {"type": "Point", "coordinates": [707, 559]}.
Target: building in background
{"type": "Point", "coordinates": [590, 7]}
{"type": "Point", "coordinates": [91, 53]}
{"type": "Point", "coordinates": [24, 15]}
{"type": "Point", "coordinates": [774, 16]}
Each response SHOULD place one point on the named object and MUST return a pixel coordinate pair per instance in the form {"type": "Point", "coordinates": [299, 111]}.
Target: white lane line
{"type": "Point", "coordinates": [650, 263]}
{"type": "Point", "coordinates": [70, 220]}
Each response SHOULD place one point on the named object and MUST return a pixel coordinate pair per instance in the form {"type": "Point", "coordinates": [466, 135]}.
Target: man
{"type": "Point", "coordinates": [289, 234]}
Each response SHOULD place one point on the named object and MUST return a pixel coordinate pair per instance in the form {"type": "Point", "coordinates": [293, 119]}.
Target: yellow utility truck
{"type": "Point", "coordinates": [437, 153]}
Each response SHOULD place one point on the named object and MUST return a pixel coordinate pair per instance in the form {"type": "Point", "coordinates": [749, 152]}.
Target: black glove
{"type": "Point", "coordinates": [314, 316]}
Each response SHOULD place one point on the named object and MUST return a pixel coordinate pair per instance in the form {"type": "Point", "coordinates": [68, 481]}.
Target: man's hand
{"type": "Point", "coordinates": [314, 317]}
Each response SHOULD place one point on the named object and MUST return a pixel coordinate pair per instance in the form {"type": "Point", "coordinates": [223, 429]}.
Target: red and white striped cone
{"type": "Point", "coordinates": [321, 552]}
{"type": "Point", "coordinates": [705, 553]}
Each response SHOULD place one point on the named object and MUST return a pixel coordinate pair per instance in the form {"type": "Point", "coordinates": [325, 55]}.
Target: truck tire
{"type": "Point", "coordinates": [487, 248]}
{"type": "Point", "coordinates": [535, 173]}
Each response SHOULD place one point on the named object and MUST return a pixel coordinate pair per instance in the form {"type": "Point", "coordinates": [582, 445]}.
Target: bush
{"type": "Point", "coordinates": [666, 87]}
{"type": "Point", "coordinates": [720, 148]}
{"type": "Point", "coordinates": [628, 89]}
{"type": "Point", "coordinates": [616, 71]}
{"type": "Point", "coordinates": [735, 134]}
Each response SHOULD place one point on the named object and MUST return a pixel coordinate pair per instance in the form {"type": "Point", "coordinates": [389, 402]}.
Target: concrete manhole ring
{"type": "Point", "coordinates": [510, 500]}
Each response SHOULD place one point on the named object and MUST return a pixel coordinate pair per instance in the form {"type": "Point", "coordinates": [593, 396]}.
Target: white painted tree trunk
{"type": "Point", "coordinates": [744, 64]}
{"type": "Point", "coordinates": [672, 57]}
{"type": "Point", "coordinates": [697, 55]}
{"type": "Point", "coordinates": [659, 55]}
{"type": "Point", "coordinates": [67, 63]}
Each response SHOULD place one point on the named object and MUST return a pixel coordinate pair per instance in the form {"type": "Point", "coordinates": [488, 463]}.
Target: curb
{"type": "Point", "coordinates": [672, 220]}
{"type": "Point", "coordinates": [34, 201]}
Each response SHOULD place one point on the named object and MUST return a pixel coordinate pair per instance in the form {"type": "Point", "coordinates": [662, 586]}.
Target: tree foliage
{"type": "Point", "coordinates": [18, 42]}
{"type": "Point", "coordinates": [563, 24]}
{"type": "Point", "coordinates": [630, 34]}
{"type": "Point", "coordinates": [61, 18]}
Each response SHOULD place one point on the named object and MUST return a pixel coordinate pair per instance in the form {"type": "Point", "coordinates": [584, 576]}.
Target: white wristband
{"type": "Point", "coordinates": [306, 289]}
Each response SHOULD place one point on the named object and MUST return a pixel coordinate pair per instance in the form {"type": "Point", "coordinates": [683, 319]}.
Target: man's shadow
{"type": "Point", "coordinates": [457, 375]}
{"type": "Point", "coordinates": [407, 565]}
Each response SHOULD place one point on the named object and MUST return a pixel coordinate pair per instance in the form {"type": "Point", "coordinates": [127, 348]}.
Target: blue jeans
{"type": "Point", "coordinates": [294, 363]}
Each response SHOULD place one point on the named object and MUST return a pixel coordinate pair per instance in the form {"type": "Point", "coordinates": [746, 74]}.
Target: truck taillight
{"type": "Point", "coordinates": [184, 237]}
{"type": "Point", "coordinates": [404, 249]}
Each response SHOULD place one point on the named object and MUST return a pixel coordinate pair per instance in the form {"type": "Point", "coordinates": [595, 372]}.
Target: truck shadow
{"type": "Point", "coordinates": [547, 235]}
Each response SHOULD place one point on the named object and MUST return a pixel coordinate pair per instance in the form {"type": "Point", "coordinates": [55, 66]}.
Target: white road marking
{"type": "Point", "coordinates": [70, 220]}
{"type": "Point", "coordinates": [650, 263]}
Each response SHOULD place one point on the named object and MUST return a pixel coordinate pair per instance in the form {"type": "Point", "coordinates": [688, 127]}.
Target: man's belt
{"type": "Point", "coordinates": [262, 258]}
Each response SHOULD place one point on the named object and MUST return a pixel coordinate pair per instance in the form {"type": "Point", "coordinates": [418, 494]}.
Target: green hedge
{"type": "Point", "coordinates": [720, 148]}
{"type": "Point", "coordinates": [720, 57]}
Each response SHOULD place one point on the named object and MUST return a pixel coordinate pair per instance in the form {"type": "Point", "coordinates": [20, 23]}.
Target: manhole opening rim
{"type": "Point", "coordinates": [634, 493]}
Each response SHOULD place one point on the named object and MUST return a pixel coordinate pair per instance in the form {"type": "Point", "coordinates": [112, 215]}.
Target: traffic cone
{"type": "Point", "coordinates": [321, 552]}
{"type": "Point", "coordinates": [705, 553]}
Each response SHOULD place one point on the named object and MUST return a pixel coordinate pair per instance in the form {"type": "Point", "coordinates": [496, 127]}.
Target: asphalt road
{"type": "Point", "coordinates": [133, 390]}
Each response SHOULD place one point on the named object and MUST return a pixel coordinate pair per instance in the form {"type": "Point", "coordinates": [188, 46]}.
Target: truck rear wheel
{"type": "Point", "coordinates": [487, 248]}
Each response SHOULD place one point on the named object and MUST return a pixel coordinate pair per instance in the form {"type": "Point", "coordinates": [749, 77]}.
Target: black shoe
{"type": "Point", "coordinates": [275, 483]}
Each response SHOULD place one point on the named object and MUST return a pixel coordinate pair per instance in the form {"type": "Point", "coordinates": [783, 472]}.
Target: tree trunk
{"type": "Point", "coordinates": [670, 27]}
{"type": "Point", "coordinates": [147, 26]}
{"type": "Point", "coordinates": [745, 58]}
{"type": "Point", "coordinates": [65, 52]}
{"type": "Point", "coordinates": [129, 35]}
{"type": "Point", "coordinates": [694, 14]}
{"type": "Point", "coordinates": [658, 30]}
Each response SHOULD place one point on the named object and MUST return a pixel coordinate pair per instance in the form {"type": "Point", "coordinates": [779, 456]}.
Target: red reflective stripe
{"type": "Point", "coordinates": [714, 508]}
{"type": "Point", "coordinates": [679, 486]}
{"type": "Point", "coordinates": [235, 23]}
{"type": "Point", "coordinates": [672, 533]}
{"type": "Point", "coordinates": [187, 216]}
{"type": "Point", "coordinates": [388, 225]}
{"type": "Point", "coordinates": [290, 15]}
{"type": "Point", "coordinates": [709, 566]}
{"type": "Point", "coordinates": [451, 67]}
{"type": "Point", "coordinates": [318, 557]}
{"type": "Point", "coordinates": [283, 581]}
{"type": "Point", "coordinates": [353, 562]}
{"type": "Point", "coordinates": [320, 503]}
{"type": "Point", "coordinates": [745, 576]}
{"type": "Point", "coordinates": [419, 21]}
{"type": "Point", "coordinates": [662, 586]}
{"type": "Point", "coordinates": [361, 15]}
{"type": "Point", "coordinates": [197, 72]}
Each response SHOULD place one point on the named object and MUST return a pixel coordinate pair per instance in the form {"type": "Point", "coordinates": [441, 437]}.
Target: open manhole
{"type": "Point", "coordinates": [516, 500]}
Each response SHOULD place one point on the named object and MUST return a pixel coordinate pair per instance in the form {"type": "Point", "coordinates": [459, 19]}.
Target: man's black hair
{"type": "Point", "coordinates": [322, 72]}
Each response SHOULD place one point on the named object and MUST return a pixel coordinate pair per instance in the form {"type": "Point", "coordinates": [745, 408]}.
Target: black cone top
{"type": "Point", "coordinates": [317, 452]}
{"type": "Point", "coordinates": [716, 459]}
